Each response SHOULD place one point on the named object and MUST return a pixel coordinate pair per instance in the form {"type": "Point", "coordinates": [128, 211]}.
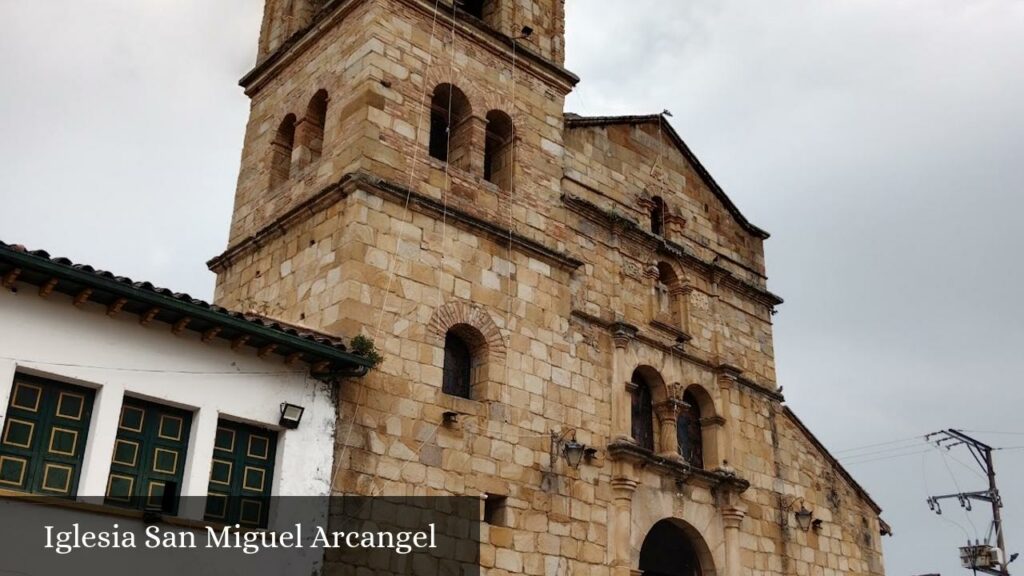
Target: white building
{"type": "Point", "coordinates": [113, 393]}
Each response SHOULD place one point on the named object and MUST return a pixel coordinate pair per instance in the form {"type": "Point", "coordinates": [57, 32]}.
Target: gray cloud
{"type": "Point", "coordinates": [879, 141]}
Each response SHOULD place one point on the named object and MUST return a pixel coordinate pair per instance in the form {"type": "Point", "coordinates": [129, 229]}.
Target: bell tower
{"type": "Point", "coordinates": [453, 106]}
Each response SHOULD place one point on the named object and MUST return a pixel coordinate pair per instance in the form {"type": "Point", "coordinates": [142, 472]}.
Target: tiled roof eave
{"type": "Point", "coordinates": [318, 350]}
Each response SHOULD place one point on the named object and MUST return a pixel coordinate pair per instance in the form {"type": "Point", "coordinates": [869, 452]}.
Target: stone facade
{"type": "Point", "coordinates": [610, 266]}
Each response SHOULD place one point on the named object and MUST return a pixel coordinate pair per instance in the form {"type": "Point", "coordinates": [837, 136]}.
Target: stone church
{"type": "Point", "coordinates": [573, 316]}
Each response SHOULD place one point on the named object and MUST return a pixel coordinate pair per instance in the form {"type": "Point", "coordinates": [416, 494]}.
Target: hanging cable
{"type": "Point", "coordinates": [393, 259]}
{"type": "Point", "coordinates": [927, 490]}
{"type": "Point", "coordinates": [958, 489]}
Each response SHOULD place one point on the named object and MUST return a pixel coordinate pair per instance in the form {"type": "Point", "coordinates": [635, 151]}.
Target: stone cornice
{"type": "Point", "coordinates": [427, 205]}
{"type": "Point", "coordinates": [709, 363]}
{"type": "Point", "coordinates": [335, 11]}
{"type": "Point", "coordinates": [681, 471]}
{"type": "Point", "coordinates": [633, 231]}
{"type": "Point", "coordinates": [416, 201]}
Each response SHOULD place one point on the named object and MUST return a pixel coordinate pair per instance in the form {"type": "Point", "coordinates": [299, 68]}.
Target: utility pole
{"type": "Point", "coordinates": [978, 557]}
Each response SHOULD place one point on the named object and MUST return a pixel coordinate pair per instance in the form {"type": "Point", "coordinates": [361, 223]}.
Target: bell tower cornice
{"type": "Point", "coordinates": [484, 36]}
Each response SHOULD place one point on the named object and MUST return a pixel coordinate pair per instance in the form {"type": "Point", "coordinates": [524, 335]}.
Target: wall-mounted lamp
{"type": "Point", "coordinates": [804, 517]}
{"type": "Point", "coordinates": [566, 445]}
{"type": "Point", "coordinates": [291, 415]}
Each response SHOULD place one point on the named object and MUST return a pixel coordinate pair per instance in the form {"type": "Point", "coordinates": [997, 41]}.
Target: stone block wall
{"type": "Point", "coordinates": [558, 283]}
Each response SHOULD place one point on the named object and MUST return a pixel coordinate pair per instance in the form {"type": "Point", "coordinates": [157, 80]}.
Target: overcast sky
{"type": "Point", "coordinates": [881, 142]}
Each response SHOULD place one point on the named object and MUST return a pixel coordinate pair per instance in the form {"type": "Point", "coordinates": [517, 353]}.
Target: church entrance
{"type": "Point", "coordinates": [668, 550]}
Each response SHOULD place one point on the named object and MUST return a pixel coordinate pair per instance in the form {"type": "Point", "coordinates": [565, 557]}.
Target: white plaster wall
{"type": "Point", "coordinates": [52, 338]}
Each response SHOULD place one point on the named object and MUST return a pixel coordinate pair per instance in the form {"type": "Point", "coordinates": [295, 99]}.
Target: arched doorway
{"type": "Point", "coordinates": [671, 550]}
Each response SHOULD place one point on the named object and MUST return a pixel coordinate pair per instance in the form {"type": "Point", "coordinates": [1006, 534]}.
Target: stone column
{"type": "Point", "coordinates": [732, 518]}
{"type": "Point", "coordinates": [620, 523]}
{"type": "Point", "coordinates": [622, 334]}
{"type": "Point", "coordinates": [716, 317]}
{"type": "Point", "coordinates": [681, 301]}
{"type": "Point", "coordinates": [309, 141]}
{"type": "Point", "coordinates": [466, 145]}
{"type": "Point", "coordinates": [667, 413]}
{"type": "Point", "coordinates": [653, 275]}
{"type": "Point", "coordinates": [728, 377]}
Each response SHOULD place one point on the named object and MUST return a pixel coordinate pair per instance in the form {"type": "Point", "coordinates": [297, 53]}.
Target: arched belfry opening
{"type": "Point", "coordinates": [450, 129]}
{"type": "Point", "coordinates": [486, 10]}
{"type": "Point", "coordinates": [673, 548]}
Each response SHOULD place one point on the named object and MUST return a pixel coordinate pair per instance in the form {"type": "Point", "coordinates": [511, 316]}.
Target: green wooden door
{"type": "Point", "coordinates": [149, 455]}
{"type": "Point", "coordinates": [241, 475]}
{"type": "Point", "coordinates": [44, 436]}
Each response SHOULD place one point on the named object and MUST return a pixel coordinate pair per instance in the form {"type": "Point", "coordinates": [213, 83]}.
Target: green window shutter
{"type": "Point", "coordinates": [43, 436]}
{"type": "Point", "coordinates": [149, 455]}
{"type": "Point", "coordinates": [241, 474]}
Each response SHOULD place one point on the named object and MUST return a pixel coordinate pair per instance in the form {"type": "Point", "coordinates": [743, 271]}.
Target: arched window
{"type": "Point", "coordinates": [281, 151]}
{"type": "Point", "coordinates": [310, 131]}
{"type": "Point", "coordinates": [643, 412]}
{"type": "Point", "coordinates": [498, 149]}
{"type": "Point", "coordinates": [450, 131]}
{"type": "Point", "coordinates": [458, 366]}
{"type": "Point", "coordinates": [658, 216]}
{"type": "Point", "coordinates": [688, 431]}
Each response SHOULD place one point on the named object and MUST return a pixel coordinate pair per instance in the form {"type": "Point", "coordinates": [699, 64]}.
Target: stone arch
{"type": "Point", "coordinates": [472, 323]}
{"type": "Point", "coordinates": [673, 547]}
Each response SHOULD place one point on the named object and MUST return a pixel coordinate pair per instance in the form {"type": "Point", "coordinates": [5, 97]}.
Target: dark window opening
{"type": "Point", "coordinates": [458, 367]}
{"type": "Point", "coordinates": [281, 151]}
{"type": "Point", "coordinates": [450, 134]}
{"type": "Point", "coordinates": [474, 8]}
{"type": "Point", "coordinates": [312, 137]}
{"type": "Point", "coordinates": [498, 149]}
{"type": "Point", "coordinates": [496, 510]}
{"type": "Point", "coordinates": [643, 413]}
{"type": "Point", "coordinates": [688, 432]}
{"type": "Point", "coordinates": [658, 216]}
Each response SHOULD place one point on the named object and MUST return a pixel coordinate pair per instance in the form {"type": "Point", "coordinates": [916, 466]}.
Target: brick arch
{"type": "Point", "coordinates": [457, 315]}
{"type": "Point", "coordinates": [439, 74]}
{"type": "Point", "coordinates": [497, 100]}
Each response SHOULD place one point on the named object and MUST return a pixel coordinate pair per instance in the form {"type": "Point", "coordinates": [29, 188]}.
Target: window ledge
{"type": "Point", "coordinates": [465, 176]}
{"type": "Point", "coordinates": [106, 510]}
{"type": "Point", "coordinates": [681, 471]}
{"type": "Point", "coordinates": [680, 335]}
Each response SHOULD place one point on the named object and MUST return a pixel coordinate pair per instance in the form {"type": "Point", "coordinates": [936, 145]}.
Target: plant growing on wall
{"type": "Point", "coordinates": [364, 346]}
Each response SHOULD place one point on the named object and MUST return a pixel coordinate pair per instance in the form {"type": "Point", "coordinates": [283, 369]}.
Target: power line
{"type": "Point", "coordinates": [995, 432]}
{"type": "Point", "coordinates": [854, 463]}
{"type": "Point", "coordinates": [890, 443]}
{"type": "Point", "coordinates": [889, 450]}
